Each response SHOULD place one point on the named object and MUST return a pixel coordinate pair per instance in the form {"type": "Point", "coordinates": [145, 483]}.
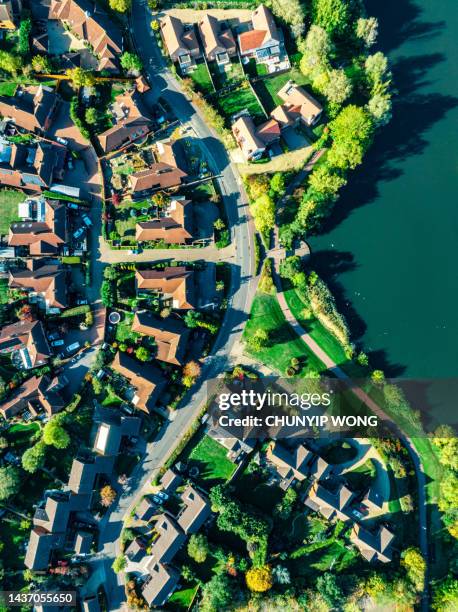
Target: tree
{"type": "Point", "coordinates": [110, 273]}
{"type": "Point", "coordinates": [316, 50]}
{"type": "Point", "coordinates": [80, 77]}
{"type": "Point", "coordinates": [257, 185]}
{"type": "Point", "coordinates": [379, 106]}
{"type": "Point", "coordinates": [331, 592]}
{"type": "Point", "coordinates": [363, 359]}
{"type": "Point", "coordinates": [445, 595]}
{"type": "Point", "coordinates": [10, 63]}
{"type": "Point", "coordinates": [378, 377]}
{"type": "Point", "coordinates": [446, 442]}
{"type": "Point", "coordinates": [263, 210]}
{"type": "Point", "coordinates": [377, 73]}
{"type": "Point", "coordinates": [334, 84]}
{"type": "Point", "coordinates": [131, 61]}
{"type": "Point", "coordinates": [191, 318]}
{"type": "Point", "coordinates": [97, 385]}
{"type": "Point", "coordinates": [352, 132]}
{"type": "Point", "coordinates": [121, 6]}
{"type": "Point", "coordinates": [119, 564]}
{"type": "Point", "coordinates": [3, 443]}
{"type": "Point", "coordinates": [367, 30]}
{"type": "Point", "coordinates": [107, 496]}
{"type": "Point", "coordinates": [107, 293]}
{"type": "Point", "coordinates": [192, 369]}
{"type": "Point", "coordinates": [281, 573]}
{"type": "Point", "coordinates": [290, 266]}
{"type": "Point", "coordinates": [415, 566]}
{"type": "Point", "coordinates": [34, 457]}
{"type": "Point", "coordinates": [10, 481]}
{"type": "Point", "coordinates": [187, 574]}
{"type": "Point", "coordinates": [91, 116]}
{"type": "Point", "coordinates": [142, 354]}
{"type": "Point", "coordinates": [41, 63]}
{"type": "Point", "coordinates": [293, 13]}
{"type": "Point", "coordinates": [198, 548]}
{"type": "Point", "coordinates": [331, 15]}
{"type": "Point", "coordinates": [219, 224]}
{"type": "Point", "coordinates": [277, 182]}
{"type": "Point", "coordinates": [218, 593]}
{"type": "Point", "coordinates": [259, 579]}
{"type": "Point", "coordinates": [325, 180]}
{"type": "Point", "coordinates": [448, 499]}
{"type": "Point", "coordinates": [55, 435]}
{"type": "Point", "coordinates": [258, 340]}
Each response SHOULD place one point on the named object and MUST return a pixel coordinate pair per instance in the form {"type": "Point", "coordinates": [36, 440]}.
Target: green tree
{"type": "Point", "coordinates": [80, 77]}
{"type": "Point", "coordinates": [41, 63]}
{"type": "Point", "coordinates": [448, 499]}
{"type": "Point", "coordinates": [316, 50]}
{"type": "Point", "coordinates": [34, 457]}
{"type": "Point", "coordinates": [119, 564]}
{"type": "Point", "coordinates": [131, 61]}
{"type": "Point", "coordinates": [219, 224]}
{"type": "Point", "coordinates": [335, 85]}
{"type": "Point", "coordinates": [290, 266]}
{"type": "Point", "coordinates": [10, 63]}
{"type": "Point", "coordinates": [258, 340]}
{"type": "Point", "coordinates": [55, 435]}
{"type": "Point", "coordinates": [377, 73]}
{"type": "Point", "coordinates": [415, 566]}
{"type": "Point", "coordinates": [10, 481]}
{"type": "Point", "coordinates": [277, 183]}
{"type": "Point", "coordinates": [367, 30]}
{"type": "Point", "coordinates": [91, 116]}
{"type": "Point", "coordinates": [292, 12]}
{"type": "Point", "coordinates": [445, 595]}
{"type": "Point", "coordinates": [331, 592]}
{"type": "Point", "coordinates": [219, 593]}
{"type": "Point", "coordinates": [325, 180]}
{"type": "Point", "coordinates": [263, 210]}
{"type": "Point", "coordinates": [198, 548]}
{"type": "Point", "coordinates": [352, 132]}
{"type": "Point", "coordinates": [378, 377]}
{"type": "Point", "coordinates": [107, 293]}
{"type": "Point", "coordinates": [192, 318]}
{"type": "Point", "coordinates": [379, 106]}
{"type": "Point", "coordinates": [331, 15]}
{"type": "Point", "coordinates": [110, 273]}
{"type": "Point", "coordinates": [143, 354]}
{"type": "Point", "coordinates": [121, 6]}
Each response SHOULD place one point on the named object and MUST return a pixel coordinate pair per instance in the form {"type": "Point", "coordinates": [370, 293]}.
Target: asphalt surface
{"type": "Point", "coordinates": [243, 287]}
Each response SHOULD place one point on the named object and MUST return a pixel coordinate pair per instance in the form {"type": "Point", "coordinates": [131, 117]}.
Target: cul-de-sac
{"type": "Point", "coordinates": [165, 167]}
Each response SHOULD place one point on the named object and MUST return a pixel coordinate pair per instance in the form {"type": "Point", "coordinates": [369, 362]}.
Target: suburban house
{"type": "Point", "coordinates": [330, 504]}
{"type": "Point", "coordinates": [176, 227]}
{"type": "Point", "coordinates": [146, 382]}
{"type": "Point", "coordinates": [264, 41]}
{"type": "Point", "coordinates": [253, 141]}
{"type": "Point", "coordinates": [146, 509]}
{"type": "Point", "coordinates": [195, 511]}
{"type": "Point", "coordinates": [175, 286]}
{"type": "Point", "coordinates": [45, 283]}
{"type": "Point", "coordinates": [31, 167]}
{"type": "Point", "coordinates": [160, 584]}
{"type": "Point", "coordinates": [28, 340]}
{"type": "Point", "coordinates": [170, 335]}
{"type": "Point", "coordinates": [217, 40]}
{"type": "Point", "coordinates": [57, 523]}
{"type": "Point", "coordinates": [132, 121]}
{"type": "Point", "coordinates": [136, 550]}
{"type": "Point", "coordinates": [164, 174]}
{"type": "Point", "coordinates": [180, 41]}
{"type": "Point", "coordinates": [88, 22]}
{"type": "Point", "coordinates": [170, 481]}
{"type": "Point", "coordinates": [237, 448]}
{"type": "Point", "coordinates": [7, 21]}
{"type": "Point", "coordinates": [298, 463]}
{"type": "Point", "coordinates": [31, 108]}
{"type": "Point", "coordinates": [374, 546]}
{"type": "Point", "coordinates": [44, 236]}
{"type": "Point", "coordinates": [36, 396]}
{"type": "Point", "coordinates": [298, 106]}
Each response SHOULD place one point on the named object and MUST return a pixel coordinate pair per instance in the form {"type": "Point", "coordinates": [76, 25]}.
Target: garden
{"type": "Point", "coordinates": [9, 200]}
{"type": "Point", "coordinates": [201, 78]}
{"type": "Point", "coordinates": [268, 88]}
{"type": "Point", "coordinates": [237, 100]}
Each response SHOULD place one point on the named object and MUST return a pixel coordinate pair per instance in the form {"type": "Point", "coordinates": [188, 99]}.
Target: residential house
{"type": "Point", "coordinates": [168, 542]}
{"type": "Point", "coordinates": [237, 447]}
{"type": "Point", "coordinates": [7, 17]}
{"type": "Point", "coordinates": [36, 396]}
{"type": "Point", "coordinates": [253, 141]}
{"type": "Point", "coordinates": [374, 546]}
{"type": "Point", "coordinates": [83, 542]}
{"type": "Point", "coordinates": [264, 40]}
{"type": "Point", "coordinates": [28, 340]}
{"type": "Point", "coordinates": [111, 431]}
{"type": "Point", "coordinates": [332, 505]}
{"type": "Point", "coordinates": [88, 22]}
{"type": "Point", "coordinates": [146, 509]}
{"type": "Point", "coordinates": [170, 481]}
{"type": "Point", "coordinates": [170, 335]}
{"type": "Point", "coordinates": [142, 84]}
{"type": "Point", "coordinates": [164, 174]}
{"type": "Point", "coordinates": [175, 286]}
{"type": "Point", "coordinates": [176, 227]}
{"type": "Point", "coordinates": [180, 41]}
{"type": "Point", "coordinates": [290, 464]}
{"type": "Point", "coordinates": [33, 167]}
{"type": "Point", "coordinates": [85, 471]}
{"type": "Point", "coordinates": [298, 106]}
{"type": "Point", "coordinates": [132, 121]}
{"type": "Point", "coordinates": [136, 550]}
{"type": "Point", "coordinates": [195, 512]}
{"type": "Point", "coordinates": [146, 381]}
{"type": "Point", "coordinates": [45, 283]}
{"type": "Point", "coordinates": [32, 107]}
{"type": "Point", "coordinates": [217, 39]}
{"type": "Point", "coordinates": [373, 501]}
{"type": "Point", "coordinates": [46, 235]}
{"type": "Point", "coordinates": [160, 584]}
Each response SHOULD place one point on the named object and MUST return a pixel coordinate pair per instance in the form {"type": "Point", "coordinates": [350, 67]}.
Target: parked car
{"type": "Point", "coordinates": [136, 251]}
{"type": "Point", "coordinates": [71, 348]}
{"type": "Point", "coordinates": [57, 343]}
{"type": "Point", "coordinates": [157, 500]}
{"type": "Point", "coordinates": [86, 220]}
{"type": "Point", "coordinates": [162, 495]}
{"type": "Point", "coordinates": [54, 336]}
{"type": "Point", "coordinates": [72, 205]}
{"type": "Point", "coordinates": [62, 141]}
{"type": "Point", "coordinates": [79, 232]}
{"type": "Point", "coordinates": [81, 302]}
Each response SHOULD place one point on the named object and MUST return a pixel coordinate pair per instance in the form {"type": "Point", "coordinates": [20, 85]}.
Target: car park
{"type": "Point", "coordinates": [54, 336]}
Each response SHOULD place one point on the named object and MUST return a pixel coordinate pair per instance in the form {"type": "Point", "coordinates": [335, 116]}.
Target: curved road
{"type": "Point", "coordinates": [243, 288]}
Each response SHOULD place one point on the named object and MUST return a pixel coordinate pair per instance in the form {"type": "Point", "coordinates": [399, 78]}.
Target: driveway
{"type": "Point", "coordinates": [294, 139]}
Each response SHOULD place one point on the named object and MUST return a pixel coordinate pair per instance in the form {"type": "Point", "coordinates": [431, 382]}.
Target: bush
{"type": "Point", "coordinates": [325, 310]}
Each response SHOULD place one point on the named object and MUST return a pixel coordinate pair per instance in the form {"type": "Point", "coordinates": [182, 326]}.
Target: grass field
{"type": "Point", "coordinates": [268, 89]}
{"type": "Point", "coordinates": [182, 599]}
{"type": "Point", "coordinates": [7, 88]}
{"type": "Point", "coordinates": [202, 79]}
{"type": "Point", "coordinates": [210, 459]}
{"type": "Point", "coordinates": [232, 74]}
{"type": "Point", "coordinates": [124, 329]}
{"type": "Point", "coordinates": [283, 343]}
{"type": "Point", "coordinates": [237, 100]}
{"type": "Point", "coordinates": [9, 199]}
{"type": "Point", "coordinates": [3, 291]}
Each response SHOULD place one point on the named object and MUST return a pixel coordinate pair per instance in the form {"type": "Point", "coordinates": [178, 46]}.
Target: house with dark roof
{"type": "Point", "coordinates": [7, 15]}
{"type": "Point", "coordinates": [136, 550]}
{"type": "Point", "coordinates": [111, 431]}
{"type": "Point", "coordinates": [160, 584]}
{"type": "Point", "coordinates": [32, 108]}
{"type": "Point", "coordinates": [237, 447]}
{"type": "Point", "coordinates": [32, 167]}
{"type": "Point", "coordinates": [171, 336]}
{"type": "Point", "coordinates": [88, 22]}
{"type": "Point", "coordinates": [330, 504]}
{"type": "Point", "coordinates": [169, 541]}
{"type": "Point", "coordinates": [217, 40]}
{"type": "Point", "coordinates": [40, 546]}
{"type": "Point", "coordinates": [175, 286]}
{"type": "Point", "coordinates": [36, 396]}
{"type": "Point", "coordinates": [175, 227]}
{"type": "Point", "coordinates": [146, 381]}
{"type": "Point", "coordinates": [373, 545]}
{"type": "Point", "coordinates": [91, 604]}
{"type": "Point", "coordinates": [45, 236]}
{"type": "Point", "coordinates": [146, 509]}
{"type": "Point", "coordinates": [45, 283]}
{"type": "Point", "coordinates": [158, 176]}
{"type": "Point", "coordinates": [132, 121]}
{"type": "Point", "coordinates": [180, 41]}
{"type": "Point", "coordinates": [263, 41]}
{"type": "Point", "coordinates": [83, 542]}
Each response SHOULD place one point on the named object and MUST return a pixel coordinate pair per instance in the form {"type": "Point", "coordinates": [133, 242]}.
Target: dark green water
{"type": "Point", "coordinates": [390, 250]}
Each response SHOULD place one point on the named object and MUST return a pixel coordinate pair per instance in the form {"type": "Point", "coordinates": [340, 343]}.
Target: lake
{"type": "Point", "coordinates": [389, 250]}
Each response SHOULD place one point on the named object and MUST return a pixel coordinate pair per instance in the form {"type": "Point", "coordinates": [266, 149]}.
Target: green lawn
{"type": "Point", "coordinates": [210, 459]}
{"type": "Point", "coordinates": [3, 291]}
{"type": "Point", "coordinates": [123, 329]}
{"type": "Point", "coordinates": [182, 599]}
{"type": "Point", "coordinates": [7, 88]}
{"type": "Point", "coordinates": [283, 343]}
{"type": "Point", "coordinates": [237, 100]}
{"type": "Point", "coordinates": [9, 200]}
{"type": "Point", "coordinates": [201, 78]}
{"type": "Point", "coordinates": [232, 73]}
{"type": "Point", "coordinates": [268, 88]}
{"type": "Point", "coordinates": [331, 554]}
